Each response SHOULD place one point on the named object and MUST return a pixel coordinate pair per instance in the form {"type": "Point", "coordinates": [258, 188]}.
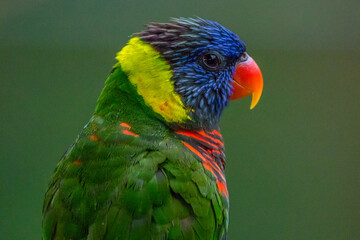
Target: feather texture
{"type": "Point", "coordinates": [150, 163]}
{"type": "Point", "coordinates": [113, 185]}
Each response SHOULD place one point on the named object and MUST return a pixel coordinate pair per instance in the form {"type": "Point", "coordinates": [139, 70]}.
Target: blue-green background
{"type": "Point", "coordinates": [293, 163]}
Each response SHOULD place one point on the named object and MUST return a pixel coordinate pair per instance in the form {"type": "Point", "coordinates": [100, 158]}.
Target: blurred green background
{"type": "Point", "coordinates": [293, 166]}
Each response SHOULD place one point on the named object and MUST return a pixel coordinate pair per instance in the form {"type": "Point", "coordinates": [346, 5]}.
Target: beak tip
{"type": "Point", "coordinates": [252, 106]}
{"type": "Point", "coordinates": [255, 98]}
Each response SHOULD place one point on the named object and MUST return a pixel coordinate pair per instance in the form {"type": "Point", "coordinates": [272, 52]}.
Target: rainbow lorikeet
{"type": "Point", "coordinates": [150, 162]}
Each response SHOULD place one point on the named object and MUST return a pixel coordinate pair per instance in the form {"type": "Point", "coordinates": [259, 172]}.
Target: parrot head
{"type": "Point", "coordinates": [191, 68]}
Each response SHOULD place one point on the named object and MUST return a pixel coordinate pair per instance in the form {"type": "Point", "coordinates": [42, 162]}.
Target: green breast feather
{"type": "Point", "coordinates": [123, 180]}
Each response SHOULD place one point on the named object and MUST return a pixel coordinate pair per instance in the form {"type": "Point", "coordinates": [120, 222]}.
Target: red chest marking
{"type": "Point", "coordinates": [77, 162]}
{"type": "Point", "coordinates": [127, 131]}
{"type": "Point", "coordinates": [208, 148]}
{"type": "Point", "coordinates": [94, 138]}
{"type": "Point", "coordinates": [125, 125]}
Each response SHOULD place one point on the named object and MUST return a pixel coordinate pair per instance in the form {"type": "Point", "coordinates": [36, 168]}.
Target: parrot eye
{"type": "Point", "coordinates": [211, 61]}
{"type": "Point", "coordinates": [244, 57]}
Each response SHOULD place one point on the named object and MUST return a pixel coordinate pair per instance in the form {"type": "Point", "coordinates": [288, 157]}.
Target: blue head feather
{"type": "Point", "coordinates": [182, 42]}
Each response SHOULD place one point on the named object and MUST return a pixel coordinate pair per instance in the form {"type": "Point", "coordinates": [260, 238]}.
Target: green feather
{"type": "Point", "coordinates": [142, 185]}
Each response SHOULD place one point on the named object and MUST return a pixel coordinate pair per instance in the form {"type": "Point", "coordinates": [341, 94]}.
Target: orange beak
{"type": "Point", "coordinates": [247, 80]}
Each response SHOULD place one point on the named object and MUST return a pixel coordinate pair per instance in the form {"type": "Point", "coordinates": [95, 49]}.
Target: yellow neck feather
{"type": "Point", "coordinates": [151, 75]}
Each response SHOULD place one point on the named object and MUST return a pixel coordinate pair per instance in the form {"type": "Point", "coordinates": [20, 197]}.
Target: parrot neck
{"type": "Point", "coordinates": [140, 88]}
{"type": "Point", "coordinates": [152, 77]}
{"type": "Point", "coordinates": [120, 102]}
{"type": "Point", "coordinates": [208, 148]}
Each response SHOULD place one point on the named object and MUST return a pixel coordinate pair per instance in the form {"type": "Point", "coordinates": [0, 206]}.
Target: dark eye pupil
{"type": "Point", "coordinates": [243, 57]}
{"type": "Point", "coordinates": [211, 60]}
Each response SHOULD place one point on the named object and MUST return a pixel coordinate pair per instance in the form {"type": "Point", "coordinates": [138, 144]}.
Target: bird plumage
{"type": "Point", "coordinates": [150, 162]}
